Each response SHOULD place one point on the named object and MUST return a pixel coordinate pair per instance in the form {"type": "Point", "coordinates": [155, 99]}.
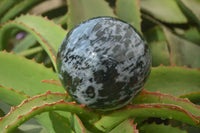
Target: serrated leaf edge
{"type": "Point", "coordinates": [57, 105]}
{"type": "Point", "coordinates": [13, 90]}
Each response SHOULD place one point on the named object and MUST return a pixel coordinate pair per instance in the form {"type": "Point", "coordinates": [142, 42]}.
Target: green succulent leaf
{"type": "Point", "coordinates": [183, 52]}
{"type": "Point", "coordinates": [77, 125]}
{"type": "Point", "coordinates": [45, 121]}
{"type": "Point", "coordinates": [191, 8]}
{"type": "Point", "coordinates": [24, 44]}
{"type": "Point", "coordinates": [31, 51]}
{"type": "Point", "coordinates": [164, 10]}
{"type": "Point", "coordinates": [28, 75]}
{"type": "Point", "coordinates": [60, 123]}
{"type": "Point", "coordinates": [154, 128]}
{"type": "Point", "coordinates": [42, 103]}
{"type": "Point", "coordinates": [126, 126]}
{"type": "Point", "coordinates": [129, 11]}
{"type": "Point", "coordinates": [19, 8]}
{"type": "Point", "coordinates": [5, 5]}
{"type": "Point", "coordinates": [193, 35]}
{"type": "Point", "coordinates": [156, 97]}
{"type": "Point", "coordinates": [11, 97]}
{"type": "Point", "coordinates": [173, 80]}
{"type": "Point", "coordinates": [160, 53]}
{"type": "Point", "coordinates": [80, 11]}
{"type": "Point", "coordinates": [160, 105]}
{"type": "Point", "coordinates": [164, 111]}
{"type": "Point", "coordinates": [1, 113]}
{"type": "Point", "coordinates": [155, 34]}
{"type": "Point", "coordinates": [39, 27]}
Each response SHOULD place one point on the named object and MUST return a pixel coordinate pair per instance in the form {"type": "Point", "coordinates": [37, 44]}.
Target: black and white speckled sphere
{"type": "Point", "coordinates": [103, 63]}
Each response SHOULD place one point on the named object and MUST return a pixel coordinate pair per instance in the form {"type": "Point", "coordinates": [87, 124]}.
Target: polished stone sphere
{"type": "Point", "coordinates": [103, 63]}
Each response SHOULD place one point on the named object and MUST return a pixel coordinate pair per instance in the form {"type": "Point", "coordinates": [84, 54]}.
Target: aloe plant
{"type": "Point", "coordinates": [31, 90]}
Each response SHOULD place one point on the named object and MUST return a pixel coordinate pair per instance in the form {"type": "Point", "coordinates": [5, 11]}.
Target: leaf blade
{"type": "Point", "coordinates": [173, 80]}
{"type": "Point", "coordinates": [39, 27]}
{"type": "Point", "coordinates": [46, 102]}
{"type": "Point", "coordinates": [164, 10]}
{"type": "Point", "coordinates": [129, 11]}
{"type": "Point", "coordinates": [154, 128]}
{"type": "Point", "coordinates": [125, 127]}
{"type": "Point", "coordinates": [19, 8]}
{"type": "Point", "coordinates": [28, 75]}
{"type": "Point", "coordinates": [80, 11]}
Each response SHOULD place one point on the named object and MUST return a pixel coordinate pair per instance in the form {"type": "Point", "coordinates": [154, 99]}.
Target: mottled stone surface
{"type": "Point", "coordinates": [103, 63]}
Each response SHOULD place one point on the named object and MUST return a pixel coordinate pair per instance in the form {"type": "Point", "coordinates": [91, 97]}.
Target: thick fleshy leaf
{"type": "Point", "coordinates": [164, 10]}
{"type": "Point", "coordinates": [5, 5]}
{"type": "Point", "coordinates": [11, 97]}
{"type": "Point", "coordinates": [60, 123]}
{"type": "Point", "coordinates": [125, 127]}
{"type": "Point", "coordinates": [164, 111]}
{"type": "Point", "coordinates": [176, 81]}
{"type": "Point", "coordinates": [160, 53]}
{"type": "Point", "coordinates": [155, 34]}
{"type": "Point", "coordinates": [42, 103]}
{"type": "Point", "coordinates": [77, 125]}
{"type": "Point", "coordinates": [153, 100]}
{"type": "Point", "coordinates": [158, 46]}
{"type": "Point", "coordinates": [1, 113]}
{"type": "Point", "coordinates": [24, 44]}
{"type": "Point", "coordinates": [191, 8]}
{"type": "Point", "coordinates": [193, 35]}
{"type": "Point", "coordinates": [19, 8]}
{"type": "Point", "coordinates": [154, 128]}
{"type": "Point", "coordinates": [47, 33]}
{"type": "Point", "coordinates": [183, 52]}
{"type": "Point", "coordinates": [31, 128]}
{"type": "Point", "coordinates": [129, 11]}
{"type": "Point", "coordinates": [80, 10]}
{"type": "Point", "coordinates": [156, 97]}
{"type": "Point", "coordinates": [31, 51]}
{"type": "Point", "coordinates": [44, 120]}
{"type": "Point", "coordinates": [26, 75]}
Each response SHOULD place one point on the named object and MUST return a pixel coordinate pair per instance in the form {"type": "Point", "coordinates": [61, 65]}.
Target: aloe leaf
{"type": "Point", "coordinates": [62, 20]}
{"type": "Point", "coordinates": [26, 43]}
{"type": "Point", "coordinates": [19, 8]}
{"type": "Point", "coordinates": [11, 97]}
{"type": "Point", "coordinates": [164, 10]}
{"type": "Point", "coordinates": [183, 52]}
{"type": "Point", "coordinates": [160, 53]}
{"type": "Point", "coordinates": [80, 10]}
{"type": "Point", "coordinates": [164, 111]}
{"type": "Point", "coordinates": [5, 5]}
{"type": "Point", "coordinates": [156, 97]}
{"type": "Point", "coordinates": [31, 128]}
{"type": "Point", "coordinates": [154, 128]}
{"type": "Point", "coordinates": [44, 120]}
{"type": "Point", "coordinates": [31, 51]}
{"type": "Point", "coordinates": [155, 34]}
{"type": "Point", "coordinates": [129, 11]}
{"type": "Point", "coordinates": [47, 33]}
{"type": "Point", "coordinates": [125, 127]}
{"type": "Point", "coordinates": [26, 75]}
{"type": "Point", "coordinates": [77, 125]}
{"type": "Point", "coordinates": [173, 80]}
{"type": "Point", "coordinates": [147, 99]}
{"type": "Point", "coordinates": [60, 123]}
{"type": "Point", "coordinates": [1, 113]}
{"type": "Point", "coordinates": [42, 103]}
{"type": "Point", "coordinates": [193, 35]}
{"type": "Point", "coordinates": [193, 97]}
{"type": "Point", "coordinates": [191, 8]}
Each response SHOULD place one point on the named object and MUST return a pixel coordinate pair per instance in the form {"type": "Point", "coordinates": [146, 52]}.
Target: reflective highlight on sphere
{"type": "Point", "coordinates": [103, 63]}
